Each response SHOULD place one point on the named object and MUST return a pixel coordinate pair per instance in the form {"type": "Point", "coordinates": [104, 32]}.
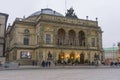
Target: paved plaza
{"type": "Point", "coordinates": [61, 74]}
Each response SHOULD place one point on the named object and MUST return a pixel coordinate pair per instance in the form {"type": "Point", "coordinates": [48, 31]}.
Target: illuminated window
{"type": "Point", "coordinates": [25, 55]}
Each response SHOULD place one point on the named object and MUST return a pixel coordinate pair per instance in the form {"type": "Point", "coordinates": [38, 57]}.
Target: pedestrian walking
{"type": "Point", "coordinates": [43, 64]}
{"type": "Point", "coordinates": [49, 63]}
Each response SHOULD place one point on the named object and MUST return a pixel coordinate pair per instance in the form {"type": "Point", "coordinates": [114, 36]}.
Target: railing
{"type": "Point", "coordinates": [67, 46]}
{"type": "Point", "coordinates": [69, 20]}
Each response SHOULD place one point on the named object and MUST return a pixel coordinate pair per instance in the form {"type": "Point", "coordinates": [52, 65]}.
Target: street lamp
{"type": "Point", "coordinates": [113, 52]}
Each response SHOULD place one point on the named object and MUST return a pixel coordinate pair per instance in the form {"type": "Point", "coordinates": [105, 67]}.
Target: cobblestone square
{"type": "Point", "coordinates": [61, 74]}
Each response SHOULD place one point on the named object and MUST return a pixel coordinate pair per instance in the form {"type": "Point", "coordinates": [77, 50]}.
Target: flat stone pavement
{"type": "Point", "coordinates": [61, 67]}
{"type": "Point", "coordinates": [58, 73]}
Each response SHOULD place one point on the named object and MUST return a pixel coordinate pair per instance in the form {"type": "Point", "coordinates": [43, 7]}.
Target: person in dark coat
{"type": "Point", "coordinates": [43, 63]}
{"type": "Point", "coordinates": [111, 64]}
{"type": "Point", "coordinates": [33, 62]}
{"type": "Point", "coordinates": [49, 63]}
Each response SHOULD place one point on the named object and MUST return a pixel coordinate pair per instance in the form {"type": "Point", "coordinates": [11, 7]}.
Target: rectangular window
{"type": "Point", "coordinates": [93, 42]}
{"type": "Point", "coordinates": [26, 41]}
{"type": "Point", "coordinates": [48, 38]}
{"type": "Point", "coordinates": [37, 39]}
{"type": "Point", "coordinates": [25, 55]}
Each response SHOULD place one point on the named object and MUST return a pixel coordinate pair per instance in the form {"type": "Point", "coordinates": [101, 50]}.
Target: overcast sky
{"type": "Point", "coordinates": [107, 11]}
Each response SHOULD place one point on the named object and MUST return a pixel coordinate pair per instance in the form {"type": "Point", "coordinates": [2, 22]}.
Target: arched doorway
{"type": "Point", "coordinates": [72, 56]}
{"type": "Point", "coordinates": [50, 56]}
{"type": "Point", "coordinates": [82, 58]}
{"type": "Point", "coordinates": [61, 57]}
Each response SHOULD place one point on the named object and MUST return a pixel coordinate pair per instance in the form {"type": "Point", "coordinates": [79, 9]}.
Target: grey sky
{"type": "Point", "coordinates": [107, 11]}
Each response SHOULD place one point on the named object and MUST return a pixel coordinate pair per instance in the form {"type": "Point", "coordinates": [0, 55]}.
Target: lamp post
{"type": "Point", "coordinates": [113, 52]}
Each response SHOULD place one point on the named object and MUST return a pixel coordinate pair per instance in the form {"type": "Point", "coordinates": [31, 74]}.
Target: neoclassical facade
{"type": "Point", "coordinates": [3, 22]}
{"type": "Point", "coordinates": [48, 35]}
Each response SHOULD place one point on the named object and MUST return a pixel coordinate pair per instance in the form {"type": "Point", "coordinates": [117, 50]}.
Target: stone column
{"type": "Point", "coordinates": [87, 42]}
{"type": "Point", "coordinates": [55, 37]}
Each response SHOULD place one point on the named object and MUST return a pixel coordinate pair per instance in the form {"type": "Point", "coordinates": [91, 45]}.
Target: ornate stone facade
{"type": "Point", "coordinates": [3, 21]}
{"type": "Point", "coordinates": [55, 38]}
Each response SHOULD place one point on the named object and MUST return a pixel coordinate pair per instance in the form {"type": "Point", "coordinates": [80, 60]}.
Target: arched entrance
{"type": "Point", "coordinates": [72, 56]}
{"type": "Point", "coordinates": [82, 58]}
{"type": "Point", "coordinates": [50, 56]}
{"type": "Point", "coordinates": [61, 57]}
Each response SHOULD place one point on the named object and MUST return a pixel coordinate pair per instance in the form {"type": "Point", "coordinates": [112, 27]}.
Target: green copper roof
{"type": "Point", "coordinates": [110, 48]}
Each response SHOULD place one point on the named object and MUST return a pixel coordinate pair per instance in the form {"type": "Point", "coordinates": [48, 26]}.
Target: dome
{"type": "Point", "coordinates": [47, 11]}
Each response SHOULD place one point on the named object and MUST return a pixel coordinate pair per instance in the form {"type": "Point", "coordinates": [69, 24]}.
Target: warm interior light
{"type": "Point", "coordinates": [77, 56]}
{"type": "Point", "coordinates": [67, 56]}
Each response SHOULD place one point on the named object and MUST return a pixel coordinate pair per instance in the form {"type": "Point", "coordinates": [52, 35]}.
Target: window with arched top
{"type": "Point", "coordinates": [61, 36]}
{"type": "Point", "coordinates": [81, 38]}
{"type": "Point", "coordinates": [26, 32]}
{"type": "Point", "coordinates": [72, 36]}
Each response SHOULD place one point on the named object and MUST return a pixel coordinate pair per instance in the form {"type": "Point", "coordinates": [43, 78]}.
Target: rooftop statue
{"type": "Point", "coordinates": [70, 13]}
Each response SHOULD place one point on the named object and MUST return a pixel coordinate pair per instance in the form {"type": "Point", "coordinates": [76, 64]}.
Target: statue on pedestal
{"type": "Point", "coordinates": [70, 13]}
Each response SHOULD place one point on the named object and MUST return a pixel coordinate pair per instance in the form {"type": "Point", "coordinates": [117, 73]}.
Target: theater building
{"type": "Point", "coordinates": [49, 35]}
{"type": "Point", "coordinates": [3, 22]}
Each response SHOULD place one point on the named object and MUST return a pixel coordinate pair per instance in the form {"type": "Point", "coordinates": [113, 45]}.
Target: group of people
{"type": "Point", "coordinates": [46, 64]}
{"type": "Point", "coordinates": [115, 64]}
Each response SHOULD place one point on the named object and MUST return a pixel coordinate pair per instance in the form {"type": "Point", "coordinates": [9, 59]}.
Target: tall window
{"type": "Point", "coordinates": [72, 36]}
{"type": "Point", "coordinates": [37, 39]}
{"type": "Point", "coordinates": [26, 40]}
{"type": "Point", "coordinates": [81, 38]}
{"type": "Point", "coordinates": [93, 42]}
{"type": "Point", "coordinates": [48, 38]}
{"type": "Point", "coordinates": [26, 37]}
{"type": "Point", "coordinates": [61, 37]}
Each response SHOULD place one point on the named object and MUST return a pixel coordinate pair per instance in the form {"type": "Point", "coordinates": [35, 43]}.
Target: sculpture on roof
{"type": "Point", "coordinates": [70, 13]}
